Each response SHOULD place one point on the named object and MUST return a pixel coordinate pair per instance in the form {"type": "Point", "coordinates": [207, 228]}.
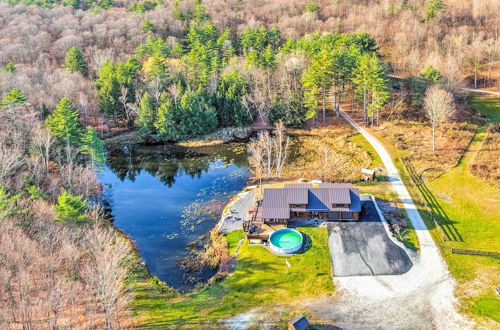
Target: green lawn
{"type": "Point", "coordinates": [259, 280]}
{"type": "Point", "coordinates": [487, 104]}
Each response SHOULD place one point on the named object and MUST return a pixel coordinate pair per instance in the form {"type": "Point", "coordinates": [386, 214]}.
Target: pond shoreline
{"type": "Point", "coordinates": [221, 136]}
{"type": "Point", "coordinates": [180, 183]}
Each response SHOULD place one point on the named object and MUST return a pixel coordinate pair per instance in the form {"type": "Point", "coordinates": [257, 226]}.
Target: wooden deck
{"type": "Point", "coordinates": [261, 230]}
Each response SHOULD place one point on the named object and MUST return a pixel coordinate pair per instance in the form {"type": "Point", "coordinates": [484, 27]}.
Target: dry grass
{"type": "Point", "coordinates": [326, 153]}
{"type": "Point", "coordinates": [414, 139]}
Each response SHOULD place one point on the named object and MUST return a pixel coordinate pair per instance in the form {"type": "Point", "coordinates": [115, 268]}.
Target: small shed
{"type": "Point", "coordinates": [298, 323]}
{"type": "Point", "coordinates": [367, 175]}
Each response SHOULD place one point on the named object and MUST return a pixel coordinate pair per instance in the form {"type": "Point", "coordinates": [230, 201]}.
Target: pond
{"type": "Point", "coordinates": [165, 197]}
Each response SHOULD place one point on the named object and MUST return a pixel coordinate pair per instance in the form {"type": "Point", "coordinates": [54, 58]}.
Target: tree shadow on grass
{"type": "Point", "coordinates": [438, 213]}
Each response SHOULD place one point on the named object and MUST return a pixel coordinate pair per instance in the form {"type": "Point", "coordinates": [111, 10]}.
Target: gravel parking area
{"type": "Point", "coordinates": [239, 209]}
{"type": "Point", "coordinates": [364, 247]}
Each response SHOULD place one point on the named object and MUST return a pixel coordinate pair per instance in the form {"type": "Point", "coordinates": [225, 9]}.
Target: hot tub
{"type": "Point", "coordinates": [285, 241]}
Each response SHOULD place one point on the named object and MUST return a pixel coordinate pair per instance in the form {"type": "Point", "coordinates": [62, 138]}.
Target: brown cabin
{"type": "Point", "coordinates": [329, 201]}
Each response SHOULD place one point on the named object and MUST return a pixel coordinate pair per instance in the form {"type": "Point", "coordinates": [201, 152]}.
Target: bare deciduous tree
{"type": "Point", "coordinates": [281, 143]}
{"type": "Point", "coordinates": [438, 107]}
{"type": "Point", "coordinates": [267, 154]}
{"type": "Point", "coordinates": [106, 272]}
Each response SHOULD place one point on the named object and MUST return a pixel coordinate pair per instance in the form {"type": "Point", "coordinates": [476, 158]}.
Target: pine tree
{"type": "Point", "coordinates": [317, 80]}
{"type": "Point", "coordinates": [8, 204]}
{"type": "Point", "coordinates": [75, 62]}
{"type": "Point", "coordinates": [109, 90]}
{"type": "Point", "coordinates": [65, 125]}
{"type": "Point", "coordinates": [65, 122]}
{"type": "Point", "coordinates": [10, 67]}
{"type": "Point", "coordinates": [361, 81]}
{"type": "Point", "coordinates": [14, 97]}
{"type": "Point", "coordinates": [228, 100]}
{"type": "Point", "coordinates": [71, 208]}
{"type": "Point", "coordinates": [312, 7]}
{"type": "Point", "coordinates": [431, 75]}
{"type": "Point", "coordinates": [93, 146]}
{"type": "Point", "coordinates": [370, 82]}
{"type": "Point", "coordinates": [433, 8]}
{"type": "Point", "coordinates": [166, 121]}
{"type": "Point", "coordinates": [379, 89]}
{"type": "Point", "coordinates": [146, 115]}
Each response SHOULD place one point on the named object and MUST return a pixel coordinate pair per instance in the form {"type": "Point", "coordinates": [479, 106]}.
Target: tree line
{"type": "Point", "coordinates": [212, 78]}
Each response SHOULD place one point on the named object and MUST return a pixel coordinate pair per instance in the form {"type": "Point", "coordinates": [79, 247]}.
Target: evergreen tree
{"type": "Point", "coordinates": [199, 116]}
{"type": "Point", "coordinates": [433, 8]}
{"type": "Point", "coordinates": [155, 67]}
{"type": "Point", "coordinates": [65, 122]}
{"type": "Point", "coordinates": [154, 46]}
{"type": "Point", "coordinates": [312, 7]}
{"type": "Point", "coordinates": [371, 84]}
{"type": "Point", "coordinates": [8, 204]}
{"type": "Point", "coordinates": [109, 90]}
{"type": "Point", "coordinates": [146, 115]}
{"type": "Point", "coordinates": [70, 208]}
{"type": "Point", "coordinates": [75, 62]}
{"type": "Point", "coordinates": [14, 97]}
{"type": "Point", "coordinates": [317, 80]}
{"type": "Point", "coordinates": [148, 26]}
{"type": "Point", "coordinates": [361, 81]}
{"type": "Point", "coordinates": [199, 12]}
{"type": "Point", "coordinates": [431, 75]}
{"type": "Point", "coordinates": [167, 121]}
{"type": "Point", "coordinates": [290, 111]}
{"type": "Point", "coordinates": [190, 116]}
{"type": "Point", "coordinates": [10, 67]}
{"type": "Point", "coordinates": [268, 59]}
{"type": "Point", "coordinates": [228, 100]}
{"type": "Point", "coordinates": [92, 146]}
{"type": "Point", "coordinates": [65, 125]}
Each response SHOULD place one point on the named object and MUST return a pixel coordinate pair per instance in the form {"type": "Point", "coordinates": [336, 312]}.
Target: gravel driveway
{"type": "Point", "coordinates": [364, 248]}
{"type": "Point", "coordinates": [421, 298]}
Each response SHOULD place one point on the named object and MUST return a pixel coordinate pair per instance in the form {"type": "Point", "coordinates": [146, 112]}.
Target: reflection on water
{"type": "Point", "coordinates": [165, 197]}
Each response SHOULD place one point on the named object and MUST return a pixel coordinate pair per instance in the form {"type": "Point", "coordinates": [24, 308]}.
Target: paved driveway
{"type": "Point", "coordinates": [363, 248]}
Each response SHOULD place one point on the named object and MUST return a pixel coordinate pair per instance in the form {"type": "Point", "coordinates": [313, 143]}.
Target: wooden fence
{"type": "Point", "coordinates": [477, 253]}
{"type": "Point", "coordinates": [416, 181]}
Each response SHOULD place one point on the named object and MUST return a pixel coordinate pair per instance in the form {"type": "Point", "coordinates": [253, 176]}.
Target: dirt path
{"type": "Point", "coordinates": [421, 298]}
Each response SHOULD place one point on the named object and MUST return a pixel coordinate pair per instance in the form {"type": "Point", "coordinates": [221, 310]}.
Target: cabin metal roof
{"type": "Point", "coordinates": [327, 198]}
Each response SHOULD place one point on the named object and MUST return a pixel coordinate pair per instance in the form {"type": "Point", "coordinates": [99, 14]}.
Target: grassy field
{"type": "Point", "coordinates": [471, 206]}
{"type": "Point", "coordinates": [260, 280]}
{"type": "Point", "coordinates": [487, 104]}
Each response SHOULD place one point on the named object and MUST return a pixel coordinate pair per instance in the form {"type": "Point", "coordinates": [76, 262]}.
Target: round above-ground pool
{"type": "Point", "coordinates": [285, 241]}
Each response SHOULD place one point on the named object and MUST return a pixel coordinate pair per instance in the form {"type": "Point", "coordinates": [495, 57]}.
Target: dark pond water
{"type": "Point", "coordinates": [165, 197]}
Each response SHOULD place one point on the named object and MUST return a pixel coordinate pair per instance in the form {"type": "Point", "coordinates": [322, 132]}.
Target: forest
{"type": "Point", "coordinates": [74, 73]}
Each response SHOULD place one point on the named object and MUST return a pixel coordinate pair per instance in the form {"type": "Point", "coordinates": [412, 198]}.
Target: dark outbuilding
{"type": "Point", "coordinates": [298, 323]}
